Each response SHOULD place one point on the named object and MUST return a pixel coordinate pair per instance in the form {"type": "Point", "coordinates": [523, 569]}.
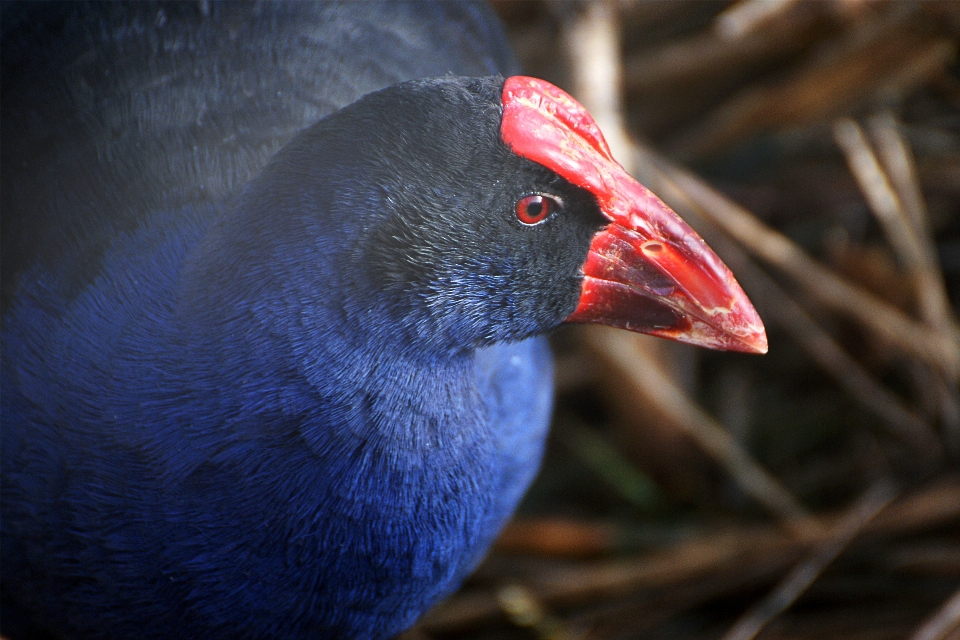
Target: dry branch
{"type": "Point", "coordinates": [736, 551]}
{"type": "Point", "coordinates": [747, 15]}
{"type": "Point", "coordinates": [800, 579]}
{"type": "Point", "coordinates": [883, 58]}
{"type": "Point", "coordinates": [705, 58]}
{"type": "Point", "coordinates": [901, 168]}
{"type": "Point", "coordinates": [942, 622]}
{"type": "Point", "coordinates": [906, 229]}
{"type": "Point", "coordinates": [620, 350]}
{"type": "Point", "coordinates": [883, 201]}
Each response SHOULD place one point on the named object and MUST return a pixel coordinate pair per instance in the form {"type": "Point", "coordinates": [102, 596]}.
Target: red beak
{"type": "Point", "coordinates": [647, 271]}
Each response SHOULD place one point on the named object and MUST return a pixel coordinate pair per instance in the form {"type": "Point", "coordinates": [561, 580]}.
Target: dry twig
{"type": "Point", "coordinates": [897, 159]}
{"type": "Point", "coordinates": [733, 552]}
{"type": "Point", "coordinates": [879, 58]}
{"type": "Point", "coordinates": [705, 58]}
{"type": "Point", "coordinates": [800, 579]}
{"type": "Point", "coordinates": [745, 16]}
{"type": "Point", "coordinates": [883, 201]}
{"type": "Point", "coordinates": [619, 349]}
{"type": "Point", "coordinates": [932, 299]}
{"type": "Point", "coordinates": [943, 621]}
{"type": "Point", "coordinates": [906, 232]}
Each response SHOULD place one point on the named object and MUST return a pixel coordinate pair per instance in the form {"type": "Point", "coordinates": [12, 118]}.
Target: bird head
{"type": "Point", "coordinates": [478, 210]}
{"type": "Point", "coordinates": [646, 270]}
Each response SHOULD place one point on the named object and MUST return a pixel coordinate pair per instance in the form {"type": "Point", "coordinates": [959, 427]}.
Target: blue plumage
{"type": "Point", "coordinates": [146, 471]}
{"type": "Point", "coordinates": [248, 411]}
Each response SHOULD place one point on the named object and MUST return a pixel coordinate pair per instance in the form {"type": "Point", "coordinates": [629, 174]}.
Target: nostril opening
{"type": "Point", "coordinates": [652, 247]}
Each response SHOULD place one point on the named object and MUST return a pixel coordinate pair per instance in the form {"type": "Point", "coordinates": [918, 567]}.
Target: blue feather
{"type": "Point", "coordinates": [200, 438]}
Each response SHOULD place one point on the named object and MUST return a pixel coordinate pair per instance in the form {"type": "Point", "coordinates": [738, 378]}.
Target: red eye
{"type": "Point", "coordinates": [534, 209]}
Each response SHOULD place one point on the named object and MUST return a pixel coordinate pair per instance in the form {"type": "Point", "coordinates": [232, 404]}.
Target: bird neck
{"type": "Point", "coordinates": [280, 313]}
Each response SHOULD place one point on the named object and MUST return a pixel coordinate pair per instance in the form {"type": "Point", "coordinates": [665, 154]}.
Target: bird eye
{"type": "Point", "coordinates": [535, 209]}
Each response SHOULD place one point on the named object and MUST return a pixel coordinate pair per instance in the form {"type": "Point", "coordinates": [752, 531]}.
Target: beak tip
{"type": "Point", "coordinates": [743, 332]}
{"type": "Point", "coordinates": [711, 338]}
{"type": "Point", "coordinates": [762, 346]}
{"type": "Point", "coordinates": [754, 339]}
{"type": "Point", "coordinates": [758, 345]}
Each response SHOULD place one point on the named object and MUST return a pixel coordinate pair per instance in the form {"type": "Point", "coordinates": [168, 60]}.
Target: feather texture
{"type": "Point", "coordinates": [184, 460]}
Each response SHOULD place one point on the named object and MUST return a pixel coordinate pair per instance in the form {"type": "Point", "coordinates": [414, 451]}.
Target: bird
{"type": "Point", "coordinates": [276, 285]}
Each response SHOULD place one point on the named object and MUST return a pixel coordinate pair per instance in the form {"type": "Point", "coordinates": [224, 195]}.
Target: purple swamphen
{"type": "Point", "coordinates": [275, 284]}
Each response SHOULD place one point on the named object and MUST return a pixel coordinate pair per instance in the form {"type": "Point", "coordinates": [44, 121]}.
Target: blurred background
{"type": "Point", "coordinates": [809, 493]}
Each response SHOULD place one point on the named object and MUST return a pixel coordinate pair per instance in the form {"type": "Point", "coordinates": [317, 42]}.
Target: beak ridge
{"type": "Point", "coordinates": [647, 271]}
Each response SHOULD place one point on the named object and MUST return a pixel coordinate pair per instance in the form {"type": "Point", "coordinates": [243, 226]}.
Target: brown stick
{"type": "Point", "coordinates": [883, 201]}
{"type": "Point", "coordinates": [900, 167]}
{"type": "Point", "coordinates": [942, 622]}
{"type": "Point", "coordinates": [903, 230]}
{"type": "Point", "coordinates": [619, 348]}
{"type": "Point", "coordinates": [932, 299]}
{"type": "Point", "coordinates": [736, 550]}
{"type": "Point", "coordinates": [880, 56]}
{"type": "Point", "coordinates": [745, 16]}
{"type": "Point", "coordinates": [591, 37]}
{"type": "Point", "coordinates": [704, 58]}
{"type": "Point", "coordinates": [804, 575]}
